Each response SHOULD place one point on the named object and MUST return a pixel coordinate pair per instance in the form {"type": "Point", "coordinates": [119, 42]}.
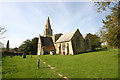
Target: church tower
{"type": "Point", "coordinates": [48, 30]}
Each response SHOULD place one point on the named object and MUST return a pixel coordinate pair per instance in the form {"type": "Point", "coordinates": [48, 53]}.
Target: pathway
{"type": "Point", "coordinates": [53, 69]}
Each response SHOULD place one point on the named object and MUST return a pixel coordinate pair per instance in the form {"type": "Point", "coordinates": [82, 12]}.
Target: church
{"type": "Point", "coordinates": [65, 44]}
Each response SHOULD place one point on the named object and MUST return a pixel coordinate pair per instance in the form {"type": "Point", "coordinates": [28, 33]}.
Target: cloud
{"type": "Point", "coordinates": [26, 20]}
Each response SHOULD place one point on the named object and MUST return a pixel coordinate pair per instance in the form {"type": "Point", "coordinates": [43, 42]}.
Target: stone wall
{"type": "Point", "coordinates": [64, 48]}
{"type": "Point", "coordinates": [88, 44]}
{"type": "Point", "coordinates": [80, 43]}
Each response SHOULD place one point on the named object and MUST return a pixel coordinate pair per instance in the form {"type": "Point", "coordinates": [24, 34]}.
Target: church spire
{"type": "Point", "coordinates": [48, 24]}
{"type": "Point", "coordinates": [48, 30]}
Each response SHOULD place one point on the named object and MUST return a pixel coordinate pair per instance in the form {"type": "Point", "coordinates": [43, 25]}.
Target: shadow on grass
{"type": "Point", "coordinates": [92, 51]}
{"type": "Point", "coordinates": [33, 79]}
{"type": "Point", "coordinates": [43, 67]}
{"type": "Point", "coordinates": [4, 56]}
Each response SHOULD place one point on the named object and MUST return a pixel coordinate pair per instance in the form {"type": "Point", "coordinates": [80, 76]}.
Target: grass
{"type": "Point", "coordinates": [99, 64]}
{"type": "Point", "coordinates": [17, 67]}
{"type": "Point", "coordinates": [0, 69]}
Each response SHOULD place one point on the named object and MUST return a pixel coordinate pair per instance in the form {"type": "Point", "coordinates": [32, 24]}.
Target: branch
{"type": "Point", "coordinates": [2, 32]}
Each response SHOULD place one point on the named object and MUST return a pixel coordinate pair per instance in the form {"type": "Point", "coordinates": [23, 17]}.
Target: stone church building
{"type": "Point", "coordinates": [66, 44]}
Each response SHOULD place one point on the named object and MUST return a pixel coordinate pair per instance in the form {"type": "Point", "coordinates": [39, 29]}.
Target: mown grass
{"type": "Point", "coordinates": [99, 64]}
{"type": "Point", "coordinates": [17, 67]}
{"type": "Point", "coordinates": [0, 69]}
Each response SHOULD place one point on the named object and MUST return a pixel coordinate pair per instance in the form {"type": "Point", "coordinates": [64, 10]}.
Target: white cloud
{"type": "Point", "coordinates": [26, 20]}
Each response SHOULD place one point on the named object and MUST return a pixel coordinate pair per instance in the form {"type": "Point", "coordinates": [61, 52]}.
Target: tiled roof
{"type": "Point", "coordinates": [66, 37]}
{"type": "Point", "coordinates": [47, 41]}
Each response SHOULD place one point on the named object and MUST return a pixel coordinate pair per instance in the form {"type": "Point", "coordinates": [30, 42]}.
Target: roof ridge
{"type": "Point", "coordinates": [66, 36]}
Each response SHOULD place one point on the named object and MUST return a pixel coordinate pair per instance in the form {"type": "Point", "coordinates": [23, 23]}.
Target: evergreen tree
{"type": "Point", "coordinates": [7, 46]}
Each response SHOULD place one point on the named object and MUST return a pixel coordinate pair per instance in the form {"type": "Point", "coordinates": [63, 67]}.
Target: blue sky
{"type": "Point", "coordinates": [26, 20]}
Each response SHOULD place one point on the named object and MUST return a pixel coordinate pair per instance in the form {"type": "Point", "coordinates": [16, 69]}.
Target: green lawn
{"type": "Point", "coordinates": [0, 69]}
{"type": "Point", "coordinates": [17, 67]}
{"type": "Point", "coordinates": [100, 64]}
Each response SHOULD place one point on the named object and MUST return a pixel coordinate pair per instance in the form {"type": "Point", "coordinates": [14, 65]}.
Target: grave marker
{"type": "Point", "coordinates": [38, 61]}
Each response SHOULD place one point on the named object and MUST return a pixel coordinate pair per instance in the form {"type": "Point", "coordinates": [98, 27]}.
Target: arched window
{"type": "Point", "coordinates": [63, 46]}
{"type": "Point", "coordinates": [78, 44]}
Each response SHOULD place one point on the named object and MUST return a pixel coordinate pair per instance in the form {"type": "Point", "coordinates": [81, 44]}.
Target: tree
{"type": "Point", "coordinates": [110, 32]}
{"type": "Point", "coordinates": [29, 46]}
{"type": "Point", "coordinates": [7, 46]}
{"type": "Point", "coordinates": [96, 41]}
{"type": "Point", "coordinates": [26, 47]}
{"type": "Point", "coordinates": [2, 31]}
{"type": "Point", "coordinates": [35, 43]}
{"type": "Point", "coordinates": [15, 49]}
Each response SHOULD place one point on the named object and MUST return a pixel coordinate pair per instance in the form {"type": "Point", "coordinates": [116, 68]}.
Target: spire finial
{"type": "Point", "coordinates": [48, 18]}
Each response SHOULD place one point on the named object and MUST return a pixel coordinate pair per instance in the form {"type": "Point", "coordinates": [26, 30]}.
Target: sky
{"type": "Point", "coordinates": [26, 20]}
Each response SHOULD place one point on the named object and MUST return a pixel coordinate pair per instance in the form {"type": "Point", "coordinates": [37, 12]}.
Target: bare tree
{"type": "Point", "coordinates": [2, 32]}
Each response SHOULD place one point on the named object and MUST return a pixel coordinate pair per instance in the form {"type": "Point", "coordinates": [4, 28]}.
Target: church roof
{"type": "Point", "coordinates": [66, 37]}
{"type": "Point", "coordinates": [46, 41]}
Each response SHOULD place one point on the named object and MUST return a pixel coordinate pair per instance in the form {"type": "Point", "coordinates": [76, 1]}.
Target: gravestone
{"type": "Point", "coordinates": [38, 61]}
{"type": "Point", "coordinates": [11, 56]}
{"type": "Point", "coordinates": [24, 55]}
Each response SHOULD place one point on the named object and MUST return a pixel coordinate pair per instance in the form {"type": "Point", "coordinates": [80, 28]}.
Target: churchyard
{"type": "Point", "coordinates": [98, 64]}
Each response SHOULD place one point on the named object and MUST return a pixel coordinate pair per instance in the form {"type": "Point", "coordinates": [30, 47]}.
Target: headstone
{"type": "Point", "coordinates": [20, 55]}
{"type": "Point", "coordinates": [11, 56]}
{"type": "Point", "coordinates": [38, 61]}
{"type": "Point", "coordinates": [24, 56]}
